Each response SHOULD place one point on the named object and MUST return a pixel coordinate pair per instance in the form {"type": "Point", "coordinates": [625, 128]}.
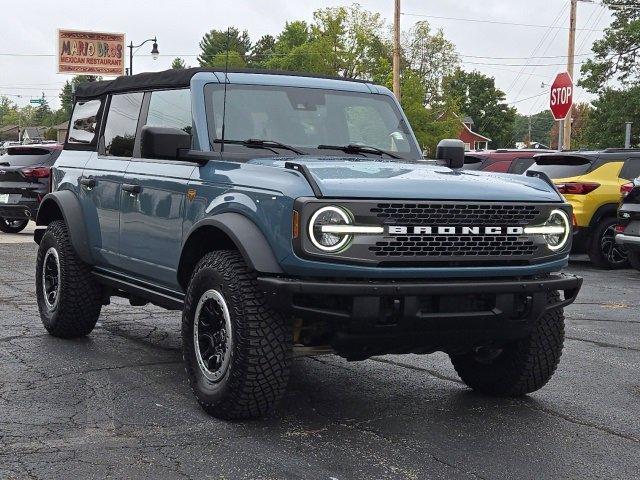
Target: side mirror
{"type": "Point", "coordinates": [163, 143]}
{"type": "Point", "coordinates": [451, 152]}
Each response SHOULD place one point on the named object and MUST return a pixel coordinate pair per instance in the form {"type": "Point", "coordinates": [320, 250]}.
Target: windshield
{"type": "Point", "coordinates": [563, 167]}
{"type": "Point", "coordinates": [306, 118]}
{"type": "Point", "coordinates": [27, 156]}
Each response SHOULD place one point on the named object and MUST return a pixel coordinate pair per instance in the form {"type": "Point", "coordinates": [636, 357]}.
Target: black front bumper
{"type": "Point", "coordinates": [375, 317]}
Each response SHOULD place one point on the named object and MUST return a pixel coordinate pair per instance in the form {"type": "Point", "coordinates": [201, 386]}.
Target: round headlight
{"type": "Point", "coordinates": [559, 224]}
{"type": "Point", "coordinates": [329, 216]}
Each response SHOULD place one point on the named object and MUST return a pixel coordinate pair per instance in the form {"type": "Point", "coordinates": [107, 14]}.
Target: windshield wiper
{"type": "Point", "coordinates": [266, 144]}
{"type": "Point", "coordinates": [354, 148]}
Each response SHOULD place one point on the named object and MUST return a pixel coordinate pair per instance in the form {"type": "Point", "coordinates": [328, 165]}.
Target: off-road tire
{"type": "Point", "coordinates": [80, 296]}
{"type": "Point", "coordinates": [634, 258]}
{"type": "Point", "coordinates": [8, 228]}
{"type": "Point", "coordinates": [524, 366]}
{"type": "Point", "coordinates": [595, 249]}
{"type": "Point", "coordinates": [258, 371]}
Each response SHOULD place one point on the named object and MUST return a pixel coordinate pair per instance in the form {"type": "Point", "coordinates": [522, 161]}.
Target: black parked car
{"type": "Point", "coordinates": [629, 222]}
{"type": "Point", "coordinates": [24, 181]}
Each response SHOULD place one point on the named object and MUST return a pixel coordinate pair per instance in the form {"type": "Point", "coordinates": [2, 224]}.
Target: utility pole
{"type": "Point", "coordinates": [627, 135]}
{"type": "Point", "coordinates": [396, 50]}
{"type": "Point", "coordinates": [570, 65]}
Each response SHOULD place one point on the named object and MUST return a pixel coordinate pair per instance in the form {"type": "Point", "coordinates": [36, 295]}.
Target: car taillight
{"type": "Point", "coordinates": [577, 188]}
{"type": "Point", "coordinates": [626, 189]}
{"type": "Point", "coordinates": [36, 172]}
{"type": "Point", "coordinates": [620, 228]}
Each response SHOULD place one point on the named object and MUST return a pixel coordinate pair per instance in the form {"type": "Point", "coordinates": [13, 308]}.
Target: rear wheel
{"type": "Point", "coordinates": [236, 348]}
{"type": "Point", "coordinates": [520, 367]}
{"type": "Point", "coordinates": [603, 250]}
{"type": "Point", "coordinates": [69, 298]}
{"type": "Point", "coordinates": [8, 225]}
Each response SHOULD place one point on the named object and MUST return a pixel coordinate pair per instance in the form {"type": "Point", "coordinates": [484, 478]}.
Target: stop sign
{"type": "Point", "coordinates": [561, 96]}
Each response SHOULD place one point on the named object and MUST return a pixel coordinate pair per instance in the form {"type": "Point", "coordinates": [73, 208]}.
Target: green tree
{"type": "Point", "coordinates": [42, 115]}
{"type": "Point", "coordinates": [9, 114]}
{"type": "Point", "coordinates": [178, 64]}
{"type": "Point", "coordinates": [478, 97]}
{"type": "Point", "coordinates": [216, 42]}
{"type": "Point", "coordinates": [66, 95]}
{"type": "Point", "coordinates": [341, 41]}
{"type": "Point", "coordinates": [431, 55]}
{"type": "Point", "coordinates": [430, 124]}
{"type": "Point", "coordinates": [220, 60]}
{"type": "Point", "coordinates": [617, 53]}
{"type": "Point", "coordinates": [606, 125]}
{"type": "Point", "coordinates": [541, 125]}
{"type": "Point", "coordinates": [262, 52]}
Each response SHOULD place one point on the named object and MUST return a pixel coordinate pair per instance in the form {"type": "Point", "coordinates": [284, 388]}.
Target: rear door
{"type": "Point", "coordinates": [101, 182]}
{"type": "Point", "coordinates": [153, 201]}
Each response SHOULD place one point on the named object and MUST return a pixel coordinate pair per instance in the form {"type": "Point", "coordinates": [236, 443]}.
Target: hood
{"type": "Point", "coordinates": [354, 177]}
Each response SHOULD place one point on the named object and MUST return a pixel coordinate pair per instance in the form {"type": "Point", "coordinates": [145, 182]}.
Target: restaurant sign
{"type": "Point", "coordinates": [90, 53]}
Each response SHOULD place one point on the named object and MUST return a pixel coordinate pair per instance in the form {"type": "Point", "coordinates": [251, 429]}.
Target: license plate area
{"type": "Point", "coordinates": [9, 198]}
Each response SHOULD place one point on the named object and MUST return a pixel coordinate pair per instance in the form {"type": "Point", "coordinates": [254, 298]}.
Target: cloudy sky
{"type": "Point", "coordinates": [520, 57]}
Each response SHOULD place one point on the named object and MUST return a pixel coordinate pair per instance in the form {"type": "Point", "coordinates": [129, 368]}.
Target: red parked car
{"type": "Point", "coordinates": [503, 160]}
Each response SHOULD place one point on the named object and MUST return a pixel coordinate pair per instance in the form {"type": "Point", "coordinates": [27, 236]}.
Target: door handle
{"type": "Point", "coordinates": [132, 189]}
{"type": "Point", "coordinates": [88, 182]}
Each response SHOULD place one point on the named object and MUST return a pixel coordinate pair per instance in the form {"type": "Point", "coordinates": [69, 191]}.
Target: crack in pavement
{"type": "Point", "coordinates": [603, 344]}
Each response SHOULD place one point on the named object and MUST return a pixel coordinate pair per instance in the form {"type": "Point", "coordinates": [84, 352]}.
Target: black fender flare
{"type": "Point", "coordinates": [247, 237]}
{"type": "Point", "coordinates": [67, 203]}
{"type": "Point", "coordinates": [606, 210]}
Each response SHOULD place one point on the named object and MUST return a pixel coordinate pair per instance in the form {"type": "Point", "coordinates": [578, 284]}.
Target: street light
{"type": "Point", "coordinates": [154, 51]}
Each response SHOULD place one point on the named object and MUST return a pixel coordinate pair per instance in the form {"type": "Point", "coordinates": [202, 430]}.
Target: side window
{"type": "Point", "coordinates": [520, 165]}
{"type": "Point", "coordinates": [630, 169]}
{"type": "Point", "coordinates": [170, 108]}
{"type": "Point", "coordinates": [83, 126]}
{"type": "Point", "coordinates": [122, 122]}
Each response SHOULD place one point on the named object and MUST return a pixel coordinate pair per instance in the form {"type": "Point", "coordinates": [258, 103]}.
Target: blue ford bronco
{"type": "Point", "coordinates": [293, 215]}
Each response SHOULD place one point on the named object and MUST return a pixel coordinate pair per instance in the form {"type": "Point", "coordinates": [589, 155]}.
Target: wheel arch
{"type": "Point", "coordinates": [64, 205]}
{"type": "Point", "coordinates": [226, 231]}
{"type": "Point", "coordinates": [606, 210]}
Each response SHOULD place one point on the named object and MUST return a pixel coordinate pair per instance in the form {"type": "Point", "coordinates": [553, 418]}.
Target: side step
{"type": "Point", "coordinates": [163, 297]}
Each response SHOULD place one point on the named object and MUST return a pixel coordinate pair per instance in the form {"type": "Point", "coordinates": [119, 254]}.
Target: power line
{"type": "Point", "coordinates": [496, 22]}
{"type": "Point", "coordinates": [528, 98]}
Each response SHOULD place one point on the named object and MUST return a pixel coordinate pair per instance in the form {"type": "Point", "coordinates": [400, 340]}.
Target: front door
{"type": "Point", "coordinates": [102, 178]}
{"type": "Point", "coordinates": [154, 197]}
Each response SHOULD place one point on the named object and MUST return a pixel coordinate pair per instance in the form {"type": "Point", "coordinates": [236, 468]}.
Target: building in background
{"type": "Point", "coordinates": [472, 140]}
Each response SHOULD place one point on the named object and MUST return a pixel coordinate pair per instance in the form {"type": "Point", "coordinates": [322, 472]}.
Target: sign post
{"type": "Point", "coordinates": [561, 101]}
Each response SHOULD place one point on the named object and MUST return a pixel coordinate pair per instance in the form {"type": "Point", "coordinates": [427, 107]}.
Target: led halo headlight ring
{"type": "Point", "coordinates": [346, 218]}
{"type": "Point", "coordinates": [564, 222]}
{"type": "Point", "coordinates": [557, 225]}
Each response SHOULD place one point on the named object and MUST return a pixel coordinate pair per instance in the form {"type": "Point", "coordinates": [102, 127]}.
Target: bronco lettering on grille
{"type": "Point", "coordinates": [446, 230]}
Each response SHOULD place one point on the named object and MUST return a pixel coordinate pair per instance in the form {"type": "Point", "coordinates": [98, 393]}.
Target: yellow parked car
{"type": "Point", "coordinates": [591, 181]}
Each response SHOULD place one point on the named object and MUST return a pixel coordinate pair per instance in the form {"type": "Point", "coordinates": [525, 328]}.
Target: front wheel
{"type": "Point", "coordinates": [520, 367]}
{"type": "Point", "coordinates": [12, 226]}
{"type": "Point", "coordinates": [236, 348]}
{"type": "Point", "coordinates": [603, 250]}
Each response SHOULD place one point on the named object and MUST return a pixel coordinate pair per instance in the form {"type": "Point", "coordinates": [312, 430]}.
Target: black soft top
{"type": "Point", "coordinates": [172, 78]}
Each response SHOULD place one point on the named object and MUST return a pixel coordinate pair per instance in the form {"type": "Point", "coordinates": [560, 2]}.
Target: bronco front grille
{"type": "Point", "coordinates": [455, 214]}
{"type": "Point", "coordinates": [454, 246]}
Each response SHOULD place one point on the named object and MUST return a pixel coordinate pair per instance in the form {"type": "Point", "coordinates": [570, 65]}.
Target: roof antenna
{"type": "Point", "coordinates": [226, 80]}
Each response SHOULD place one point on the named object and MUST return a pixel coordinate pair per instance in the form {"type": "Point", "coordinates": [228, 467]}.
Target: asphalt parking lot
{"type": "Point", "coordinates": [117, 404]}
